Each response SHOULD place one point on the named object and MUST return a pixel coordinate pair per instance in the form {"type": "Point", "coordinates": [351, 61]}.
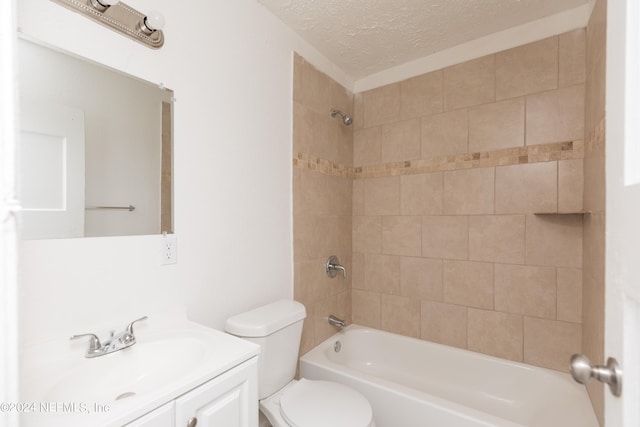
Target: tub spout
{"type": "Point", "coordinates": [333, 320]}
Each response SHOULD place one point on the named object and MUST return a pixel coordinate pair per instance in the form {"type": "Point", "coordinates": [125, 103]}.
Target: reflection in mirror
{"type": "Point", "coordinates": [95, 149]}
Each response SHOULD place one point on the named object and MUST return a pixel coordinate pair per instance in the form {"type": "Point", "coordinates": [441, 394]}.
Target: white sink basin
{"type": "Point", "coordinates": [143, 367]}
{"type": "Point", "coordinates": [113, 389]}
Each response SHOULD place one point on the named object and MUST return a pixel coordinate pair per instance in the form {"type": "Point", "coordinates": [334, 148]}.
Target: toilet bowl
{"type": "Point", "coordinates": [285, 402]}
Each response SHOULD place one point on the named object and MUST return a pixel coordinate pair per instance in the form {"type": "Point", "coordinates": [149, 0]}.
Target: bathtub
{"type": "Point", "coordinates": [410, 382]}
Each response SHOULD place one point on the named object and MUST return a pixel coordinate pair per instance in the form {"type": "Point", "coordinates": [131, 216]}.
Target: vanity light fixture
{"type": "Point", "coordinates": [114, 14]}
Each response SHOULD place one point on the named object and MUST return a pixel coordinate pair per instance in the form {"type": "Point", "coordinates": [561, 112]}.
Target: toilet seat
{"type": "Point", "coordinates": [310, 403]}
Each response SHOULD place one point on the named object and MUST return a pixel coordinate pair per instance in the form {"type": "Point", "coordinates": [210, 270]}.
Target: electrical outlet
{"type": "Point", "coordinates": [168, 249]}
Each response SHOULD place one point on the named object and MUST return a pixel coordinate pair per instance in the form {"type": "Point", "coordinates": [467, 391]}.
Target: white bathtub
{"type": "Point", "coordinates": [411, 382]}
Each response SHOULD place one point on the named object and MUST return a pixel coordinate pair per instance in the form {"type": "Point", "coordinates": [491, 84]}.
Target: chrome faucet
{"type": "Point", "coordinates": [115, 342]}
{"type": "Point", "coordinates": [332, 265]}
{"type": "Point", "coordinates": [333, 320]}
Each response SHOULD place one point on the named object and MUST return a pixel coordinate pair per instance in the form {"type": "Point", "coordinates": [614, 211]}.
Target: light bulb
{"type": "Point", "coordinates": [154, 20]}
{"type": "Point", "coordinates": [103, 5]}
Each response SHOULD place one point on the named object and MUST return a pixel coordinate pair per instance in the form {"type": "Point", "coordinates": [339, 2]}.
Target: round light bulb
{"type": "Point", "coordinates": [109, 2]}
{"type": "Point", "coordinates": [155, 20]}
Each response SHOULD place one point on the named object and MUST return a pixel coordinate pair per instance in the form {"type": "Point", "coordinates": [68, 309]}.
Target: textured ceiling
{"type": "Point", "coordinates": [367, 36]}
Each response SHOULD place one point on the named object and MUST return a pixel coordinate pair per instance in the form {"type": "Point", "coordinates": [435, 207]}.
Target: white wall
{"type": "Point", "coordinates": [230, 65]}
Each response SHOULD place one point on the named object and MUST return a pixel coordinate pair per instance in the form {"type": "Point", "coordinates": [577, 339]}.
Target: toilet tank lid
{"type": "Point", "coordinates": [265, 320]}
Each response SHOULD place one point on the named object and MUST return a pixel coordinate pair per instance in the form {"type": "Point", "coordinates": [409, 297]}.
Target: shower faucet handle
{"type": "Point", "coordinates": [332, 265]}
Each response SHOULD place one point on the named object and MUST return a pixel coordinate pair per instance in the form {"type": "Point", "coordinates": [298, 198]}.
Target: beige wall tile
{"type": "Point", "coordinates": [594, 181]}
{"type": "Point", "coordinates": [358, 111]}
{"type": "Point", "coordinates": [497, 125]}
{"type": "Point", "coordinates": [296, 183]}
{"type": "Point", "coordinates": [596, 65]}
{"type": "Point", "coordinates": [498, 238]}
{"type": "Point", "coordinates": [323, 194]}
{"type": "Point", "coordinates": [400, 315]}
{"type": "Point", "coordinates": [443, 323]}
{"type": "Point", "coordinates": [367, 234]}
{"type": "Point", "coordinates": [316, 88]}
{"type": "Point", "coordinates": [309, 238]}
{"type": "Point", "coordinates": [366, 308]}
{"type": "Point", "coordinates": [341, 98]}
{"type": "Point", "coordinates": [421, 278]}
{"type": "Point", "coordinates": [357, 204]}
{"type": "Point", "coordinates": [345, 145]}
{"type": "Point", "coordinates": [322, 310]}
{"type": "Point", "coordinates": [527, 69]}
{"type": "Point", "coordinates": [572, 58]}
{"type": "Point", "coordinates": [468, 283]}
{"type": "Point", "coordinates": [570, 185]}
{"type": "Point", "coordinates": [527, 188]}
{"type": "Point", "coordinates": [338, 231]}
{"type": "Point", "coordinates": [469, 83]}
{"type": "Point", "coordinates": [570, 295]}
{"type": "Point", "coordinates": [326, 136]}
{"type": "Point", "coordinates": [401, 141]}
{"type": "Point", "coordinates": [401, 235]}
{"type": "Point", "coordinates": [298, 66]}
{"type": "Point", "coordinates": [421, 194]}
{"type": "Point", "coordinates": [382, 274]}
{"type": "Point", "coordinates": [382, 196]}
{"type": "Point", "coordinates": [554, 240]}
{"type": "Point", "coordinates": [445, 237]}
{"type": "Point", "coordinates": [523, 289]}
{"type": "Point", "coordinates": [445, 134]}
{"type": "Point", "coordinates": [357, 270]}
{"type": "Point", "coordinates": [344, 306]}
{"type": "Point", "coordinates": [550, 344]}
{"type": "Point", "coordinates": [593, 291]}
{"type": "Point", "coordinates": [469, 191]}
{"type": "Point", "coordinates": [318, 285]}
{"type": "Point", "coordinates": [555, 116]}
{"type": "Point", "coordinates": [367, 146]}
{"type": "Point", "coordinates": [494, 333]}
{"type": "Point", "coordinates": [382, 105]}
{"type": "Point", "coordinates": [421, 95]}
{"type": "Point", "coordinates": [308, 339]}
{"type": "Point", "coordinates": [303, 122]}
{"type": "Point", "coordinates": [302, 291]}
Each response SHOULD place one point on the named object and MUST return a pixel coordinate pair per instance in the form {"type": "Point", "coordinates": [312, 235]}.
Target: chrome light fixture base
{"type": "Point", "coordinates": [119, 17]}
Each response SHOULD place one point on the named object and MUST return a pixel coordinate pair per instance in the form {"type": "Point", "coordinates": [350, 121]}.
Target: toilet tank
{"type": "Point", "coordinates": [276, 328]}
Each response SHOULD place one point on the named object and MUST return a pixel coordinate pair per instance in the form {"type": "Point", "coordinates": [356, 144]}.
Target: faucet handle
{"type": "Point", "coordinates": [94, 342]}
{"type": "Point", "coordinates": [332, 265]}
{"type": "Point", "coordinates": [130, 325]}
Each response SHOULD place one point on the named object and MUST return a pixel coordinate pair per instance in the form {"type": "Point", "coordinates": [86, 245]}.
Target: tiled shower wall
{"type": "Point", "coordinates": [321, 199]}
{"type": "Point", "coordinates": [594, 200]}
{"type": "Point", "coordinates": [450, 171]}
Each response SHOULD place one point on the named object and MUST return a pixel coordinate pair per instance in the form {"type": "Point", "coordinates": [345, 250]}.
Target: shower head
{"type": "Point", "coordinates": [346, 119]}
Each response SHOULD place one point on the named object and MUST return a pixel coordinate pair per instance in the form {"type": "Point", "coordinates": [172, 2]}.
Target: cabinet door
{"type": "Point", "coordinates": [229, 400]}
{"type": "Point", "coordinates": [161, 417]}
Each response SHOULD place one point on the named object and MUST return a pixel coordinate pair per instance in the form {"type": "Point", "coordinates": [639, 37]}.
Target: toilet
{"type": "Point", "coordinates": [286, 402]}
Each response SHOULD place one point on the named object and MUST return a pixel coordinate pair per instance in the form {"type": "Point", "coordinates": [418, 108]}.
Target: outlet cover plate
{"type": "Point", "coordinates": [168, 249]}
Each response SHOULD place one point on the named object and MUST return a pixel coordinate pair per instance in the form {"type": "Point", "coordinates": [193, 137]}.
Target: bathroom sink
{"type": "Point", "coordinates": [167, 361]}
{"type": "Point", "coordinates": [143, 367]}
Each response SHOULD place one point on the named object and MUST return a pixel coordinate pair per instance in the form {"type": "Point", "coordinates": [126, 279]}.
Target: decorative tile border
{"type": "Point", "coordinates": [510, 156]}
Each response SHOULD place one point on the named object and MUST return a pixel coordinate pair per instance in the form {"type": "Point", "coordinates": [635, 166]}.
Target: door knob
{"type": "Point", "coordinates": [582, 371]}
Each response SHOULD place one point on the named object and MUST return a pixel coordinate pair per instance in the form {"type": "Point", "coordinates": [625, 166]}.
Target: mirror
{"type": "Point", "coordinates": [95, 149]}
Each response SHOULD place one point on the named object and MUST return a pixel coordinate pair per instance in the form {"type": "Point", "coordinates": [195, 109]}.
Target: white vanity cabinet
{"type": "Point", "coordinates": [229, 400]}
{"type": "Point", "coordinates": [162, 416]}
